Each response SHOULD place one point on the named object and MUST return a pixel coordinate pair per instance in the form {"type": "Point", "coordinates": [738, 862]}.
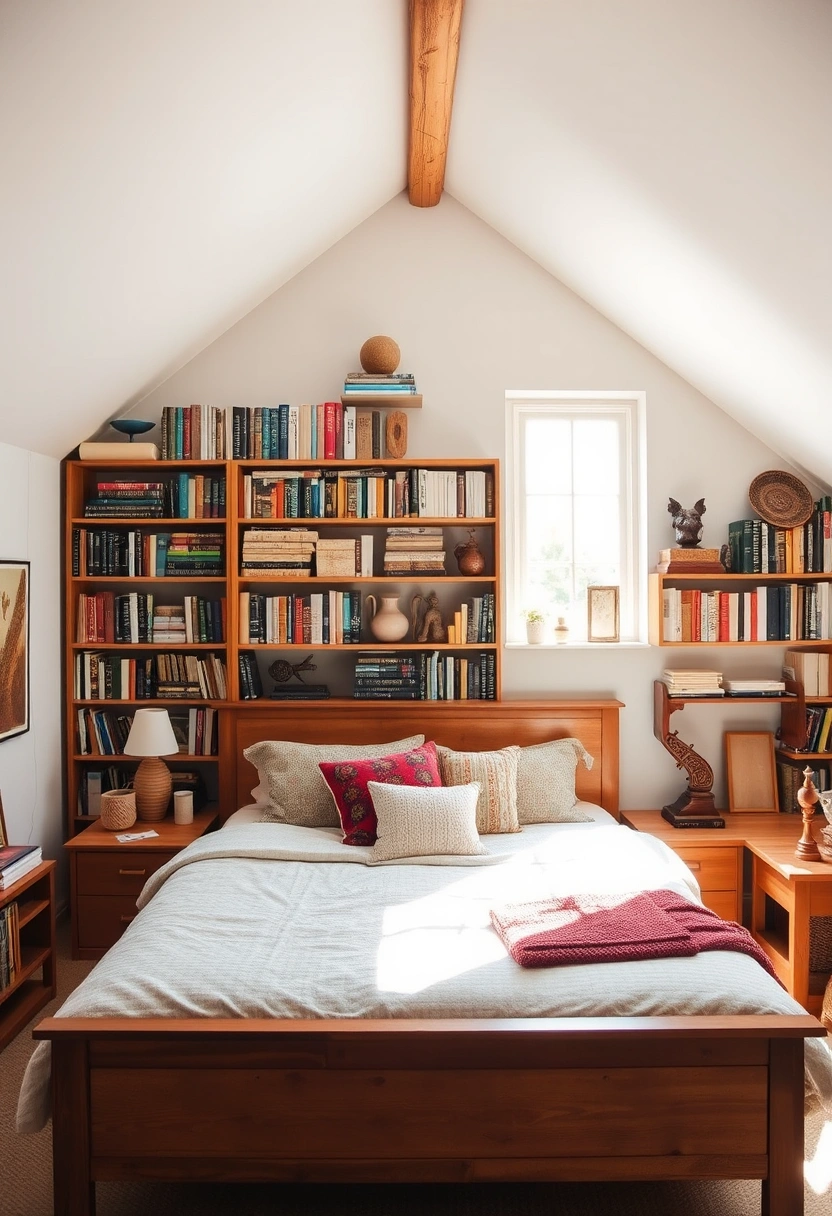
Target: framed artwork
{"type": "Point", "coordinates": [4, 835]}
{"type": "Point", "coordinates": [602, 614]}
{"type": "Point", "coordinates": [752, 773]}
{"type": "Point", "coordinates": [14, 648]}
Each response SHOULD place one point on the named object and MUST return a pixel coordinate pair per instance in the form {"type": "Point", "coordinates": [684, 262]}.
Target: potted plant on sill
{"type": "Point", "coordinates": [535, 627]}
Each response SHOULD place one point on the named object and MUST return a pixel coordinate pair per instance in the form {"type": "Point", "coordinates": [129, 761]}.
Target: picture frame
{"type": "Point", "coordinates": [602, 614]}
{"type": "Point", "coordinates": [751, 772]}
{"type": "Point", "coordinates": [14, 648]}
{"type": "Point", "coordinates": [4, 835]}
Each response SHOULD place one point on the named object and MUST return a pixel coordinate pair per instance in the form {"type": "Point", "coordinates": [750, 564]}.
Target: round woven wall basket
{"type": "Point", "coordinates": [118, 810]}
{"type": "Point", "coordinates": [781, 499]}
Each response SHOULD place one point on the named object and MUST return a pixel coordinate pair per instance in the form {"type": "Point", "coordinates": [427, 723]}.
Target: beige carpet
{"type": "Point", "coordinates": [26, 1178]}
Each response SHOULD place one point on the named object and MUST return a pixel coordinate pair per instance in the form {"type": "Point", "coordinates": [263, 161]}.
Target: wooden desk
{"type": "Point", "coordinates": [786, 893]}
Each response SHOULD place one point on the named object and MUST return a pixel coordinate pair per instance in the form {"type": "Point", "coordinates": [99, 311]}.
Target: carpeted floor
{"type": "Point", "coordinates": [26, 1177]}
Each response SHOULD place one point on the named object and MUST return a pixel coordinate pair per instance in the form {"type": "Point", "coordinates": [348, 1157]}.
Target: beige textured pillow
{"type": "Point", "coordinates": [546, 782]}
{"type": "Point", "coordinates": [435, 821]}
{"type": "Point", "coordinates": [296, 788]}
{"type": "Point", "coordinates": [497, 774]}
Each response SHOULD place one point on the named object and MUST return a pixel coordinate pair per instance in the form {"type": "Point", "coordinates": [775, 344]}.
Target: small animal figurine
{"type": "Point", "coordinates": [687, 522]}
{"type": "Point", "coordinates": [281, 671]}
{"type": "Point", "coordinates": [431, 628]}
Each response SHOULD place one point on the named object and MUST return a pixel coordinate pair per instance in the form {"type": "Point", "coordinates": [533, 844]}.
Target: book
{"type": "Point", "coordinates": [117, 451]}
{"type": "Point", "coordinates": [17, 860]}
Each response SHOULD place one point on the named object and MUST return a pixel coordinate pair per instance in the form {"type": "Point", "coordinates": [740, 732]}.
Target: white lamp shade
{"type": "Point", "coordinates": [151, 734]}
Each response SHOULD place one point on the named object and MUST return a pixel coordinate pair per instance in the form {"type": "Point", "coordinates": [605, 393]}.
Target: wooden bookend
{"type": "Point", "coordinates": [807, 797]}
{"type": "Point", "coordinates": [395, 434]}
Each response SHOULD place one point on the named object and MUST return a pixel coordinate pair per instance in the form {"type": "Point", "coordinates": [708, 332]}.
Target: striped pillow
{"type": "Point", "coordinates": [496, 773]}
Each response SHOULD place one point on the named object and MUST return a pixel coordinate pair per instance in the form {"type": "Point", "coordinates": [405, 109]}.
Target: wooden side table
{"type": "Point", "coordinates": [785, 892]}
{"type": "Point", "coordinates": [106, 876]}
{"type": "Point", "coordinates": [34, 895]}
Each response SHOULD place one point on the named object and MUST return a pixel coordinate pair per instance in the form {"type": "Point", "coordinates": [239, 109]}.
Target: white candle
{"type": "Point", "coordinates": [183, 807]}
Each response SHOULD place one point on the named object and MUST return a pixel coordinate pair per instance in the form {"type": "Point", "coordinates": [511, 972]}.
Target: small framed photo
{"type": "Point", "coordinates": [14, 648]}
{"type": "Point", "coordinates": [752, 771]}
{"type": "Point", "coordinates": [602, 614]}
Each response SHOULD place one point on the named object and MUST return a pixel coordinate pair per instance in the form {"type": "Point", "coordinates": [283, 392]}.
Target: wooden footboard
{"type": "Point", "coordinates": [425, 1101]}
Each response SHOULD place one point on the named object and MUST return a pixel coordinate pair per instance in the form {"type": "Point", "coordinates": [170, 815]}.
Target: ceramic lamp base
{"type": "Point", "coordinates": [153, 786]}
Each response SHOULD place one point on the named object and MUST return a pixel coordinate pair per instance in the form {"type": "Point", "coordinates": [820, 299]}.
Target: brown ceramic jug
{"type": "Point", "coordinates": [468, 556]}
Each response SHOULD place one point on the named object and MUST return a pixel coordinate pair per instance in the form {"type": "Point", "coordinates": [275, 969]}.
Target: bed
{"type": "Point", "coordinates": [401, 1094]}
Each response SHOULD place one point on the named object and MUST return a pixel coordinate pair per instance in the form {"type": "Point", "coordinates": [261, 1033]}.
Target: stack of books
{"type": "Point", "coordinates": [194, 553]}
{"type": "Point", "coordinates": [368, 384]}
{"type": "Point", "coordinates": [683, 683]}
{"type": "Point", "coordinates": [299, 692]}
{"type": "Point", "coordinates": [338, 557]}
{"type": "Point", "coordinates": [17, 860]}
{"type": "Point", "coordinates": [127, 500]}
{"type": "Point", "coordinates": [389, 677]}
{"type": "Point", "coordinates": [193, 432]}
{"type": "Point", "coordinates": [274, 553]}
{"type": "Point", "coordinates": [411, 549]}
{"type": "Point", "coordinates": [754, 688]}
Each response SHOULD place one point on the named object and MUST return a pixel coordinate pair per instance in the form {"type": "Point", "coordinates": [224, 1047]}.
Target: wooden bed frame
{"type": "Point", "coordinates": [429, 1101]}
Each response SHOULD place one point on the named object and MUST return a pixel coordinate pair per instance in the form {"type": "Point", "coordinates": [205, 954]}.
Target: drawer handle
{"type": "Point", "coordinates": [125, 920]}
{"type": "Point", "coordinates": [137, 873]}
{"type": "Point", "coordinates": [694, 865]}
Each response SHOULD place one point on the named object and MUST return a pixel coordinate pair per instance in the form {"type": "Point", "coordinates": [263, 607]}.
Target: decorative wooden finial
{"type": "Point", "coordinates": [807, 797]}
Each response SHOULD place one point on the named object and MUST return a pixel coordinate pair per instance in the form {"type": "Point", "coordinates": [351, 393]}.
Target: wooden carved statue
{"type": "Point", "coordinates": [687, 522]}
{"type": "Point", "coordinates": [431, 628]}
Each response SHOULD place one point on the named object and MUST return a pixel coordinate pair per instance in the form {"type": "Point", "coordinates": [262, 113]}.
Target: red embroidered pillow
{"type": "Point", "coordinates": [347, 780]}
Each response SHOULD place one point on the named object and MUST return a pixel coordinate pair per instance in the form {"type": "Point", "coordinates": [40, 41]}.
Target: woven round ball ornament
{"type": "Point", "coordinates": [380, 356]}
{"type": "Point", "coordinates": [781, 499]}
{"type": "Point", "coordinates": [118, 810]}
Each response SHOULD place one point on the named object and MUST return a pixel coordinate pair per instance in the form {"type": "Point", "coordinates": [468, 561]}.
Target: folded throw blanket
{"type": "Point", "coordinates": [616, 929]}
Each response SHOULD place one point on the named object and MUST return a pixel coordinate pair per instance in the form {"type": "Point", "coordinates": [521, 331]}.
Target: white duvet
{"type": "Point", "coordinates": [268, 920]}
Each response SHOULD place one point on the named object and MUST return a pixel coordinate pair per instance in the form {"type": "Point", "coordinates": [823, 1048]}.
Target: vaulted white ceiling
{"type": "Point", "coordinates": [165, 166]}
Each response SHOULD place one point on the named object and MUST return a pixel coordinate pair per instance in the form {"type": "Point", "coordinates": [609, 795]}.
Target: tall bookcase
{"type": "Point", "coordinates": [335, 662]}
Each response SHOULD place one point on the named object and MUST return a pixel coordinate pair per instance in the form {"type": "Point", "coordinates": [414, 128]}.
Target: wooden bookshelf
{"type": "Point", "coordinates": [335, 667]}
{"type": "Point", "coordinates": [35, 982]}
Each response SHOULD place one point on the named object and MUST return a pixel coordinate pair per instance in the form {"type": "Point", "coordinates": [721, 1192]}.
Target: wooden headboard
{"type": "Point", "coordinates": [462, 725]}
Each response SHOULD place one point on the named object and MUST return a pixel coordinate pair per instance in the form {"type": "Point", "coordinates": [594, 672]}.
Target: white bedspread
{"type": "Point", "coordinates": [267, 920]}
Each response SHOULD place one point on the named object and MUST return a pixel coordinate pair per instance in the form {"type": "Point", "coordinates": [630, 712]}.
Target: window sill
{"type": "Point", "coordinates": [579, 645]}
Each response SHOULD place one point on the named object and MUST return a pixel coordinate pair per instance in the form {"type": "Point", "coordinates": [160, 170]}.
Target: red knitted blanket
{"type": "Point", "coordinates": [616, 929]}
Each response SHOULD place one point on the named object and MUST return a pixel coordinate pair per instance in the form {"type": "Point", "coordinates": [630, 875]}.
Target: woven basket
{"type": "Point", "coordinates": [781, 499]}
{"type": "Point", "coordinates": [118, 810]}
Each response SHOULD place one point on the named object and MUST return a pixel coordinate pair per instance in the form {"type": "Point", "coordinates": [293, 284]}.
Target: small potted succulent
{"type": "Point", "coordinates": [535, 627]}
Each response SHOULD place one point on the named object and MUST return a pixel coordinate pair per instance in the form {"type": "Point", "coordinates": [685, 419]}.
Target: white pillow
{"type": "Point", "coordinates": [294, 785]}
{"type": "Point", "coordinates": [546, 782]}
{"type": "Point", "coordinates": [433, 821]}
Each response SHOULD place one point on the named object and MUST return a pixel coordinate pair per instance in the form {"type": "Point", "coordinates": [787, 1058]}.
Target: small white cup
{"type": "Point", "coordinates": [183, 807]}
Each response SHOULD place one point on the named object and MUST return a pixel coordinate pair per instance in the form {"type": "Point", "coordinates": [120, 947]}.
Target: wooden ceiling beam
{"type": "Point", "coordinates": [434, 50]}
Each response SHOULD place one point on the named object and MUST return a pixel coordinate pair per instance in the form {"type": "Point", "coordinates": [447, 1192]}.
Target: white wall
{"type": "Point", "coordinates": [30, 764]}
{"type": "Point", "coordinates": [475, 317]}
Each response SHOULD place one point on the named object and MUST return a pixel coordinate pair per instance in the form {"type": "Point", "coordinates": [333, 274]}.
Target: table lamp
{"type": "Point", "coordinates": [151, 736]}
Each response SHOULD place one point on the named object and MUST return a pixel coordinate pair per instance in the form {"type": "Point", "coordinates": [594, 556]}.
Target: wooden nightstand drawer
{"type": "Point", "coordinates": [713, 869]}
{"type": "Point", "coordinates": [102, 919]}
{"type": "Point", "coordinates": [122, 873]}
{"type": "Point", "coordinates": [724, 903]}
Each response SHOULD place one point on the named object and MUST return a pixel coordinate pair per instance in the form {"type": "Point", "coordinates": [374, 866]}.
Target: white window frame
{"type": "Point", "coordinates": [630, 409]}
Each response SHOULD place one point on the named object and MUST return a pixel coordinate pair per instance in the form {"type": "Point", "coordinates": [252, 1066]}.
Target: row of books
{"type": "Point", "coordinates": [326, 431]}
{"type": "Point", "coordinates": [183, 496]}
{"type": "Point", "coordinates": [811, 669]}
{"type": "Point", "coordinates": [818, 728]}
{"type": "Point", "coordinates": [251, 686]}
{"type": "Point", "coordinates": [327, 618]}
{"type": "Point", "coordinates": [790, 779]}
{"type": "Point", "coordinates": [409, 549]}
{"type": "Point", "coordinates": [474, 622]}
{"type": "Point", "coordinates": [16, 860]}
{"type": "Point", "coordinates": [371, 493]}
{"type": "Point", "coordinates": [788, 612]}
{"type": "Point", "coordinates": [129, 553]}
{"type": "Point", "coordinates": [135, 618]}
{"type": "Point", "coordinates": [424, 676]}
{"type": "Point", "coordinates": [107, 677]}
{"type": "Point", "coordinates": [10, 960]}
{"type": "Point", "coordinates": [760, 548]}
{"type": "Point", "coordinates": [193, 432]}
{"type": "Point", "coordinates": [103, 732]}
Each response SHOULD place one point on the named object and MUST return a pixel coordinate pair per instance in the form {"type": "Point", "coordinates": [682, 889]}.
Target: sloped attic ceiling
{"type": "Point", "coordinates": [166, 166]}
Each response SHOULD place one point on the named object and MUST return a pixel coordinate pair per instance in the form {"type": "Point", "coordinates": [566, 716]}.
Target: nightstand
{"type": "Point", "coordinates": [106, 876]}
{"type": "Point", "coordinates": [713, 855]}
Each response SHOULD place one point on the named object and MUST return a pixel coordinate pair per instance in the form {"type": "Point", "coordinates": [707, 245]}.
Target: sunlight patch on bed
{"type": "Point", "coordinates": [818, 1171]}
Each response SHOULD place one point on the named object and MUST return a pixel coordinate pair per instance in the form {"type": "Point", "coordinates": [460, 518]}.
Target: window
{"type": "Point", "coordinates": [576, 468]}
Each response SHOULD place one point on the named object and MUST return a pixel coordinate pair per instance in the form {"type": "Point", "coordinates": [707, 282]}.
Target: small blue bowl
{"type": "Point", "coordinates": [131, 426]}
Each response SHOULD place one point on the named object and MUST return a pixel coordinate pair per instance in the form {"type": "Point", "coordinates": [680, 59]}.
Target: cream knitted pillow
{"type": "Point", "coordinates": [496, 773]}
{"type": "Point", "coordinates": [433, 821]}
{"type": "Point", "coordinates": [546, 782]}
{"type": "Point", "coordinates": [296, 788]}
